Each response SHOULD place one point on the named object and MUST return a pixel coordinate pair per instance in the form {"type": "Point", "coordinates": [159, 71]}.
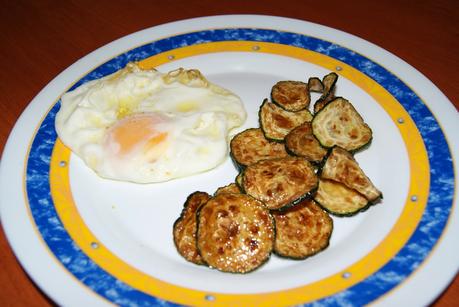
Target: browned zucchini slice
{"type": "Point", "coordinates": [338, 199]}
{"type": "Point", "coordinates": [315, 85]}
{"type": "Point", "coordinates": [338, 123]}
{"type": "Point", "coordinates": [341, 166]}
{"type": "Point", "coordinates": [329, 82]}
{"type": "Point", "coordinates": [301, 142]}
{"type": "Point", "coordinates": [251, 146]}
{"type": "Point", "coordinates": [302, 231]}
{"type": "Point", "coordinates": [230, 188]}
{"type": "Point", "coordinates": [280, 183]}
{"type": "Point", "coordinates": [328, 93]}
{"type": "Point", "coordinates": [276, 122]}
{"type": "Point", "coordinates": [184, 230]}
{"type": "Point", "coordinates": [235, 233]}
{"type": "Point", "coordinates": [291, 95]}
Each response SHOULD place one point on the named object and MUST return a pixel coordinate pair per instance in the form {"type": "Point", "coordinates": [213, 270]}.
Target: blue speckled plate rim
{"type": "Point", "coordinates": [393, 273]}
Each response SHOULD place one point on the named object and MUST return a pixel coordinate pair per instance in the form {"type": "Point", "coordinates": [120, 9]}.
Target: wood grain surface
{"type": "Point", "coordinates": [39, 39]}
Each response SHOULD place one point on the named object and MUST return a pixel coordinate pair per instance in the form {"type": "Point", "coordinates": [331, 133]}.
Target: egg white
{"type": "Point", "coordinates": [185, 117]}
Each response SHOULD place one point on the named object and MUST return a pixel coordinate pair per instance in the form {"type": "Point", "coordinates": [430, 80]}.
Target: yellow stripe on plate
{"type": "Point", "coordinates": [372, 262]}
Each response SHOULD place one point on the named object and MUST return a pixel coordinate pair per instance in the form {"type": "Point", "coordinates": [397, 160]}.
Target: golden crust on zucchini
{"type": "Point", "coordinates": [280, 183]}
{"type": "Point", "coordinates": [341, 166]}
{"type": "Point", "coordinates": [338, 199]}
{"type": "Point", "coordinates": [302, 231]}
{"type": "Point", "coordinates": [338, 123]}
{"type": "Point", "coordinates": [251, 146]}
{"type": "Point", "coordinates": [301, 142]}
{"type": "Point", "coordinates": [230, 188]}
{"type": "Point", "coordinates": [184, 230]}
{"type": "Point", "coordinates": [291, 95]}
{"type": "Point", "coordinates": [235, 233]}
{"type": "Point", "coordinates": [276, 122]}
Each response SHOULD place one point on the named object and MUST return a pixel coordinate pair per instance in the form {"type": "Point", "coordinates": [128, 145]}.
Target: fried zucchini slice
{"type": "Point", "coordinates": [184, 229]}
{"type": "Point", "coordinates": [328, 92]}
{"type": "Point", "coordinates": [276, 122]}
{"type": "Point", "coordinates": [291, 95]}
{"type": "Point", "coordinates": [302, 231]}
{"type": "Point", "coordinates": [230, 188]}
{"type": "Point", "coordinates": [339, 123]}
{"type": "Point", "coordinates": [315, 85]}
{"type": "Point", "coordinates": [341, 166]}
{"type": "Point", "coordinates": [235, 233]}
{"type": "Point", "coordinates": [251, 146]}
{"type": "Point", "coordinates": [338, 199]}
{"type": "Point", "coordinates": [301, 142]}
{"type": "Point", "coordinates": [280, 183]}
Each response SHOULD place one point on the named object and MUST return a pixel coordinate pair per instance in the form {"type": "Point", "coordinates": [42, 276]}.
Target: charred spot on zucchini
{"type": "Point", "coordinates": [251, 146]}
{"type": "Point", "coordinates": [339, 123]}
{"type": "Point", "coordinates": [301, 142]}
{"type": "Point", "coordinates": [230, 188]}
{"type": "Point", "coordinates": [328, 93]}
{"type": "Point", "coordinates": [235, 233]}
{"type": "Point", "coordinates": [291, 95]}
{"type": "Point", "coordinates": [280, 183]}
{"type": "Point", "coordinates": [302, 231]}
{"type": "Point", "coordinates": [341, 166]}
{"type": "Point", "coordinates": [276, 122]}
{"type": "Point", "coordinates": [315, 85]}
{"type": "Point", "coordinates": [338, 199]}
{"type": "Point", "coordinates": [184, 229]}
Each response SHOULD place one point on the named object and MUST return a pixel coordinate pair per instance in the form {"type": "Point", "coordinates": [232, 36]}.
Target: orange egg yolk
{"type": "Point", "coordinates": [138, 131]}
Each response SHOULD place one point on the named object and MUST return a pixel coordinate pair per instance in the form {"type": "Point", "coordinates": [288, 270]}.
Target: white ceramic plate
{"type": "Point", "coordinates": [88, 240]}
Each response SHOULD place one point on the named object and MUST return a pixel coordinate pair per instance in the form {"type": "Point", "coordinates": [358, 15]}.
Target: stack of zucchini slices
{"type": "Point", "coordinates": [295, 169]}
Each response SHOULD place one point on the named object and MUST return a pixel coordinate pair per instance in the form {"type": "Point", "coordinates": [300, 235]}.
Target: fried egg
{"type": "Point", "coordinates": [144, 126]}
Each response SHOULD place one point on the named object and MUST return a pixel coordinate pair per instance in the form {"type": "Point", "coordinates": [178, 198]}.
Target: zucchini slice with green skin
{"type": "Point", "coordinates": [184, 229]}
{"type": "Point", "coordinates": [328, 93]}
{"type": "Point", "coordinates": [315, 85]}
{"type": "Point", "coordinates": [276, 122]}
{"type": "Point", "coordinates": [280, 183]}
{"type": "Point", "coordinates": [341, 166]}
{"type": "Point", "coordinates": [230, 188]}
{"type": "Point", "coordinates": [251, 146]}
{"type": "Point", "coordinates": [301, 142]}
{"type": "Point", "coordinates": [235, 233]}
{"type": "Point", "coordinates": [339, 123]}
{"type": "Point", "coordinates": [291, 95]}
{"type": "Point", "coordinates": [239, 181]}
{"type": "Point", "coordinates": [302, 231]}
{"type": "Point", "coordinates": [340, 200]}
